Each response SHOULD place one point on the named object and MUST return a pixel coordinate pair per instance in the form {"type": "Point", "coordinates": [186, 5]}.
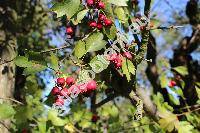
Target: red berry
{"type": "Point", "coordinates": [93, 24]}
{"type": "Point", "coordinates": [95, 118]}
{"type": "Point", "coordinates": [61, 82]}
{"type": "Point", "coordinates": [172, 83]}
{"type": "Point", "coordinates": [127, 55]}
{"type": "Point", "coordinates": [82, 87]}
{"type": "Point", "coordinates": [90, 2]}
{"type": "Point", "coordinates": [107, 22]}
{"type": "Point", "coordinates": [24, 130]}
{"type": "Point", "coordinates": [59, 101]}
{"type": "Point", "coordinates": [118, 65]}
{"type": "Point", "coordinates": [118, 59]}
{"type": "Point", "coordinates": [99, 26]}
{"type": "Point", "coordinates": [91, 85]}
{"type": "Point", "coordinates": [65, 92]}
{"type": "Point", "coordinates": [100, 5]}
{"type": "Point", "coordinates": [113, 57]}
{"type": "Point", "coordinates": [70, 81]}
{"type": "Point", "coordinates": [55, 91]}
{"type": "Point", "coordinates": [101, 17]}
{"type": "Point", "coordinates": [69, 30]}
{"type": "Point", "coordinates": [71, 89]}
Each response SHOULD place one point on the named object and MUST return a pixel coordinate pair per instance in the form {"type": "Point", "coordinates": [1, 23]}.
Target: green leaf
{"type": "Point", "coordinates": [42, 126]}
{"type": "Point", "coordinates": [77, 116]}
{"type": "Point", "coordinates": [163, 80]}
{"type": "Point", "coordinates": [54, 62]}
{"type": "Point", "coordinates": [119, 11]}
{"type": "Point", "coordinates": [185, 127]}
{"type": "Point", "coordinates": [174, 100]}
{"type": "Point", "coordinates": [95, 42]}
{"type": "Point", "coordinates": [128, 68]}
{"type": "Point", "coordinates": [114, 111]}
{"type": "Point", "coordinates": [67, 7]}
{"type": "Point", "coordinates": [34, 69]}
{"type": "Point", "coordinates": [110, 32]}
{"type": "Point", "coordinates": [85, 124]}
{"type": "Point", "coordinates": [84, 76]}
{"type": "Point", "coordinates": [118, 2]}
{"type": "Point", "coordinates": [53, 117]}
{"type": "Point", "coordinates": [169, 121]}
{"type": "Point", "coordinates": [198, 91]}
{"type": "Point", "coordinates": [80, 49]}
{"type": "Point", "coordinates": [22, 61]}
{"type": "Point", "coordinates": [6, 111]}
{"type": "Point", "coordinates": [99, 63]}
{"type": "Point", "coordinates": [77, 18]}
{"type": "Point", "coordinates": [181, 70]}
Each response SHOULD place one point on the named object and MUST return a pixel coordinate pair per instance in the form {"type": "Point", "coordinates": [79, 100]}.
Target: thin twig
{"type": "Point", "coordinates": [188, 112]}
{"type": "Point", "coordinates": [6, 61]}
{"type": "Point", "coordinates": [5, 126]}
{"type": "Point", "coordinates": [55, 49]}
{"type": "Point", "coordinates": [13, 100]}
{"type": "Point", "coordinates": [166, 27]}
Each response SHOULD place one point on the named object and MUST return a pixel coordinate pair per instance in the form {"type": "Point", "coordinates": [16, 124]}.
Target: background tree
{"type": "Point", "coordinates": [120, 98]}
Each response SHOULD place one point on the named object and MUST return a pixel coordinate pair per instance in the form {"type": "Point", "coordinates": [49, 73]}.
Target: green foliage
{"type": "Point", "coordinates": [53, 117]}
{"type": "Point", "coordinates": [181, 70]}
{"type": "Point", "coordinates": [128, 68]}
{"type": "Point", "coordinates": [6, 111]}
{"type": "Point", "coordinates": [95, 42]}
{"type": "Point", "coordinates": [31, 67]}
{"type": "Point", "coordinates": [66, 7]}
{"type": "Point", "coordinates": [77, 18]}
{"type": "Point", "coordinates": [119, 2]}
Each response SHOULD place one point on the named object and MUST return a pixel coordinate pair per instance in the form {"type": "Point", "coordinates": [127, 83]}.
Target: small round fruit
{"type": "Point", "coordinates": [69, 30]}
{"type": "Point", "coordinates": [107, 22]}
{"type": "Point", "coordinates": [99, 26]}
{"type": "Point", "coordinates": [65, 92]}
{"type": "Point", "coordinates": [113, 57]}
{"type": "Point", "coordinates": [55, 91]}
{"type": "Point", "coordinates": [59, 101]}
{"type": "Point", "coordinates": [90, 2]}
{"type": "Point", "coordinates": [95, 118]}
{"type": "Point", "coordinates": [127, 55]}
{"type": "Point", "coordinates": [91, 85]}
{"type": "Point", "coordinates": [101, 17]}
{"type": "Point", "coordinates": [172, 84]}
{"type": "Point", "coordinates": [70, 81]}
{"type": "Point", "coordinates": [100, 5]}
{"type": "Point", "coordinates": [93, 24]}
{"type": "Point", "coordinates": [61, 82]}
{"type": "Point", "coordinates": [82, 87]}
{"type": "Point", "coordinates": [118, 65]}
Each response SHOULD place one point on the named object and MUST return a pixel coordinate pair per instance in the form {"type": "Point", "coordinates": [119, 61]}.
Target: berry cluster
{"type": "Point", "coordinates": [102, 20]}
{"type": "Point", "coordinates": [61, 91]}
{"type": "Point", "coordinates": [117, 58]}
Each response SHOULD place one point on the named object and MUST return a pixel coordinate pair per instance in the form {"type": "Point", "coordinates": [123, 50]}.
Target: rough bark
{"type": "Point", "coordinates": [7, 75]}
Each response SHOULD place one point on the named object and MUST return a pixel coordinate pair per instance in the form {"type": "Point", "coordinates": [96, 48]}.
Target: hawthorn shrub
{"type": "Point", "coordinates": [99, 79]}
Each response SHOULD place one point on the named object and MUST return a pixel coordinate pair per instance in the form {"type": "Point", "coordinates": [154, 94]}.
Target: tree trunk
{"type": "Point", "coordinates": [7, 74]}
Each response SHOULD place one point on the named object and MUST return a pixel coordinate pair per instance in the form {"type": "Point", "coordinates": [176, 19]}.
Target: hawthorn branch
{"type": "Point", "coordinates": [6, 61]}
{"type": "Point", "coordinates": [167, 27]}
{"type": "Point", "coordinates": [13, 100]}
{"type": "Point", "coordinates": [55, 49]}
{"type": "Point", "coordinates": [145, 34]}
{"type": "Point", "coordinates": [104, 101]}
